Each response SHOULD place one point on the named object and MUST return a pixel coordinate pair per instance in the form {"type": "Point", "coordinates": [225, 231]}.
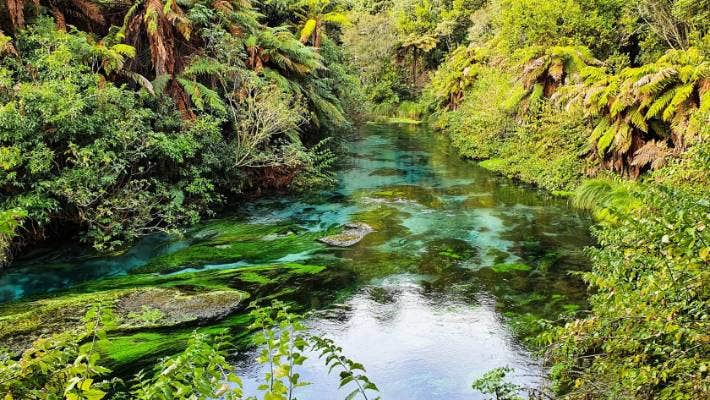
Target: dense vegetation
{"type": "Point", "coordinates": [120, 119]}
{"type": "Point", "coordinates": [578, 97]}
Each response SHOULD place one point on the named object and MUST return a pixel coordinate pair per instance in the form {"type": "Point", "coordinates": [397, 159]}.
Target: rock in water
{"type": "Point", "coordinates": [173, 307]}
{"type": "Point", "coordinates": [352, 234]}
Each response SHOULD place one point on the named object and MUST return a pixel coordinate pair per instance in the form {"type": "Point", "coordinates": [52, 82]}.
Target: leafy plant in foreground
{"type": "Point", "coordinates": [348, 368]}
{"type": "Point", "coordinates": [280, 335]}
{"type": "Point", "coordinates": [62, 366]}
{"type": "Point", "coordinates": [199, 372]}
{"type": "Point", "coordinates": [493, 383]}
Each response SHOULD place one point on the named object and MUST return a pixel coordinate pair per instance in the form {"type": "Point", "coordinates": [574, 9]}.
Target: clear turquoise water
{"type": "Point", "coordinates": [422, 306]}
{"type": "Point", "coordinates": [423, 323]}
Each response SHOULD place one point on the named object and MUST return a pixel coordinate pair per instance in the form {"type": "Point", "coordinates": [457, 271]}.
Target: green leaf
{"type": "Point", "coordinates": [308, 29]}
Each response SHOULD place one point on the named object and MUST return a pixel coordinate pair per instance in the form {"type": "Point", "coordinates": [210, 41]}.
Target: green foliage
{"type": "Point", "coordinates": [543, 150]}
{"type": "Point", "coordinates": [10, 221]}
{"type": "Point", "coordinates": [643, 110]}
{"type": "Point", "coordinates": [78, 147]}
{"type": "Point", "coordinates": [648, 328]}
{"type": "Point", "coordinates": [280, 334]}
{"type": "Point", "coordinates": [64, 365]}
{"type": "Point", "coordinates": [318, 172]}
{"type": "Point", "coordinates": [477, 128]}
{"type": "Point", "coordinates": [527, 23]}
{"type": "Point", "coordinates": [86, 146]}
{"type": "Point", "coordinates": [546, 69]}
{"type": "Point", "coordinates": [493, 383]}
{"type": "Point", "coordinates": [456, 75]}
{"type": "Point", "coordinates": [351, 373]}
{"type": "Point", "coordinates": [200, 372]}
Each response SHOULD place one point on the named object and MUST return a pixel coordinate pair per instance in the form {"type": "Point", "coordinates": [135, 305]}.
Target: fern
{"type": "Point", "coordinates": [642, 104]}
{"type": "Point", "coordinates": [202, 96]}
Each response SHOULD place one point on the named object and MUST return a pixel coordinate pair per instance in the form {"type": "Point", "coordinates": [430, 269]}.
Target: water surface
{"type": "Point", "coordinates": [462, 265]}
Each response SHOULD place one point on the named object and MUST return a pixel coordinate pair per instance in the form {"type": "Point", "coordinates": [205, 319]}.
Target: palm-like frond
{"type": "Point", "coordinates": [550, 68]}
{"type": "Point", "coordinates": [460, 70]}
{"type": "Point", "coordinates": [656, 102]}
{"type": "Point", "coordinates": [308, 28]}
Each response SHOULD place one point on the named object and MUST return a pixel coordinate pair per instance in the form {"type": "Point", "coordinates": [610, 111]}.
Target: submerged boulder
{"type": "Point", "coordinates": [137, 308]}
{"type": "Point", "coordinates": [167, 307]}
{"type": "Point", "coordinates": [353, 233]}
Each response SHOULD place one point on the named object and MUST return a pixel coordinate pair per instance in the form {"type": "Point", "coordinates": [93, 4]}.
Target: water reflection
{"type": "Point", "coordinates": [415, 344]}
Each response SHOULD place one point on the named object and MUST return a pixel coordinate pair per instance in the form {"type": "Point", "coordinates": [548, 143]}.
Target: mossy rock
{"type": "Point", "coordinates": [169, 307]}
{"type": "Point", "coordinates": [352, 234]}
{"type": "Point", "coordinates": [23, 322]}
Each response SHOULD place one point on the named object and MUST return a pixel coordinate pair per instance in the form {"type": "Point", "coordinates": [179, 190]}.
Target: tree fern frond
{"type": "Point", "coordinates": [680, 95]}
{"type": "Point", "coordinates": [160, 83]}
{"type": "Point", "coordinates": [659, 105]}
{"type": "Point", "coordinates": [202, 96]}
{"type": "Point", "coordinates": [622, 138]}
{"type": "Point", "coordinates": [337, 18]}
{"type": "Point", "coordinates": [637, 119]}
{"type": "Point", "coordinates": [652, 153]}
{"type": "Point", "coordinates": [308, 28]}
{"type": "Point", "coordinates": [606, 139]}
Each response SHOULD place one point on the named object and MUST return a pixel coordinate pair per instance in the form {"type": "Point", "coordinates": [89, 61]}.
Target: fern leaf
{"type": "Point", "coordinates": [637, 119]}
{"type": "Point", "coordinates": [308, 28]}
{"type": "Point", "coordinates": [605, 140]}
{"type": "Point", "coordinates": [622, 138]}
{"type": "Point", "coordinates": [681, 95]}
{"type": "Point", "coordinates": [659, 105]}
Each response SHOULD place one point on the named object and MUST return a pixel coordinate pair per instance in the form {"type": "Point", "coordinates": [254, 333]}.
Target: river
{"type": "Point", "coordinates": [461, 267]}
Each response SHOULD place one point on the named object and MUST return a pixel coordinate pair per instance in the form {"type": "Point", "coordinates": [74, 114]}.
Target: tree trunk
{"type": "Point", "coordinates": [414, 66]}
{"type": "Point", "coordinates": [317, 35]}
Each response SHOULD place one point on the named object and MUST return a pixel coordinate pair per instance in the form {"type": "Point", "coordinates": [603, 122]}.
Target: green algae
{"type": "Point", "coordinates": [499, 256]}
{"type": "Point", "coordinates": [441, 254]}
{"type": "Point", "coordinates": [123, 350]}
{"type": "Point", "coordinates": [130, 352]}
{"type": "Point", "coordinates": [419, 194]}
{"type": "Point", "coordinates": [477, 202]}
{"type": "Point", "coordinates": [511, 267]}
{"type": "Point", "coordinates": [386, 172]}
{"type": "Point", "coordinates": [398, 193]}
{"type": "Point", "coordinates": [182, 299]}
{"type": "Point", "coordinates": [228, 241]}
{"type": "Point", "coordinates": [254, 277]}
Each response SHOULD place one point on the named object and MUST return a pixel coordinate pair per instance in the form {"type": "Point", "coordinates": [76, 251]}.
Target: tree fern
{"type": "Point", "coordinates": [457, 74]}
{"type": "Point", "coordinates": [547, 69]}
{"type": "Point", "coordinates": [645, 104]}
